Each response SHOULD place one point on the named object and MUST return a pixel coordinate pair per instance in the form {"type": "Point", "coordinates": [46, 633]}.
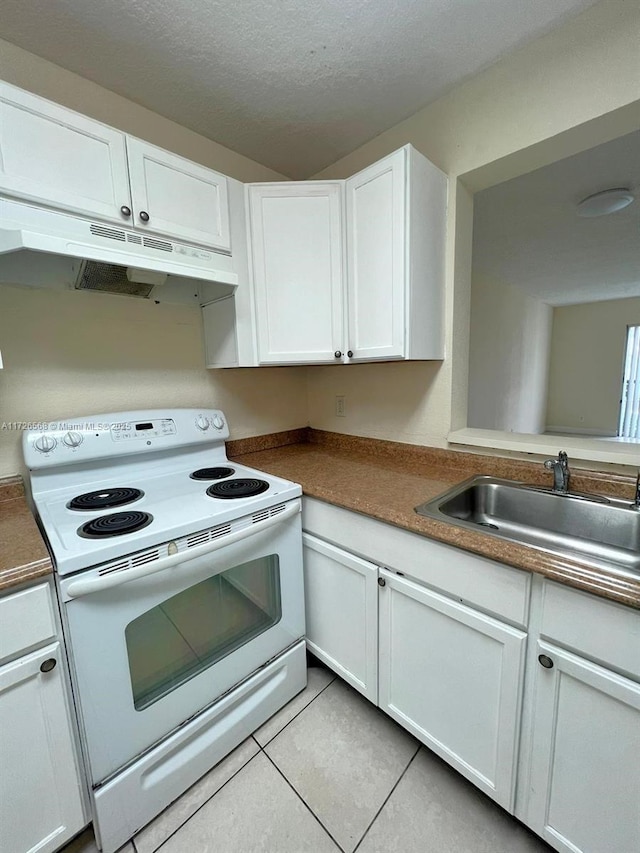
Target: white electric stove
{"type": "Point", "coordinates": [179, 576]}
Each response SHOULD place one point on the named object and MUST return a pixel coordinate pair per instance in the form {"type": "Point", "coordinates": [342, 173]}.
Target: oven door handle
{"type": "Point", "coordinates": [87, 586]}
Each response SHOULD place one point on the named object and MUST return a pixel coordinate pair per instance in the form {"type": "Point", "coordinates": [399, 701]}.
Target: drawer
{"type": "Point", "coordinates": [26, 620]}
{"type": "Point", "coordinates": [606, 632]}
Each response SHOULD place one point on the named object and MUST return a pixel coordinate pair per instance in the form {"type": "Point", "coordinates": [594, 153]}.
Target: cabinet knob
{"type": "Point", "coordinates": [47, 665]}
{"type": "Point", "coordinates": [382, 582]}
{"type": "Point", "coordinates": [350, 353]}
{"type": "Point", "coordinates": [144, 215]}
{"type": "Point", "coordinates": [337, 354]}
{"type": "Point", "coordinates": [125, 211]}
{"type": "Point", "coordinates": [545, 661]}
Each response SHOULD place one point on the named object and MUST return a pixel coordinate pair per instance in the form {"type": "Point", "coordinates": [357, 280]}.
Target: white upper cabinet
{"type": "Point", "coordinates": [56, 157]}
{"type": "Point", "coordinates": [296, 253]}
{"type": "Point", "coordinates": [176, 197]}
{"type": "Point", "coordinates": [396, 226]}
{"type": "Point", "coordinates": [381, 266]}
{"type": "Point", "coordinates": [376, 259]}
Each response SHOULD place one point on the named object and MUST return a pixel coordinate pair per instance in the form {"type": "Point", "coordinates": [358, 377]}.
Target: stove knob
{"type": "Point", "coordinates": [218, 422]}
{"type": "Point", "coordinates": [202, 423]}
{"type": "Point", "coordinates": [72, 439]}
{"type": "Point", "coordinates": [45, 443]}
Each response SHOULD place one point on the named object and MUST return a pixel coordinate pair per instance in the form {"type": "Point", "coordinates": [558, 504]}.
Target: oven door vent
{"type": "Point", "coordinates": [115, 567]}
{"type": "Point", "coordinates": [135, 560]}
{"type": "Point", "coordinates": [145, 557]}
{"type": "Point", "coordinates": [208, 535]}
{"type": "Point", "coordinates": [264, 514]}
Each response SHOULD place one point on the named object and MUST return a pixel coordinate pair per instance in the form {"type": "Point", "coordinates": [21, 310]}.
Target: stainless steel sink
{"type": "Point", "coordinates": [602, 531]}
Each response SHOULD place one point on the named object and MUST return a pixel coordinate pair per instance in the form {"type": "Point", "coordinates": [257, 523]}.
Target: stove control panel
{"type": "Point", "coordinates": [119, 434]}
{"type": "Point", "coordinates": [128, 430]}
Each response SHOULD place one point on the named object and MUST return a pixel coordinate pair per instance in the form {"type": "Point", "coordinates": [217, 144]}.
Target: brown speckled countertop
{"type": "Point", "coordinates": [386, 480]}
{"type": "Point", "coordinates": [23, 554]}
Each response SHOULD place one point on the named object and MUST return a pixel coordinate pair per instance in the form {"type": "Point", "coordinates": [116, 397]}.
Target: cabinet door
{"type": "Point", "coordinates": [453, 677]}
{"type": "Point", "coordinates": [376, 259]}
{"type": "Point", "coordinates": [296, 239]}
{"type": "Point", "coordinates": [55, 157]}
{"type": "Point", "coordinates": [178, 198]}
{"type": "Point", "coordinates": [584, 791]}
{"type": "Point", "coordinates": [341, 604]}
{"type": "Point", "coordinates": [40, 803]}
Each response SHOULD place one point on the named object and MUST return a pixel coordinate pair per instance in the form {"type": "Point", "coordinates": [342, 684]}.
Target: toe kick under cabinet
{"type": "Point", "coordinates": [41, 794]}
{"type": "Point", "coordinates": [530, 689]}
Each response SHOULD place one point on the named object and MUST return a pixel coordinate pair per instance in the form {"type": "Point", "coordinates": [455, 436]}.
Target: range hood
{"type": "Point", "coordinates": [43, 248]}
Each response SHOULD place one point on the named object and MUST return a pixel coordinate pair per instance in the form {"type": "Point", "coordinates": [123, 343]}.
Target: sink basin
{"type": "Point", "coordinates": [602, 531]}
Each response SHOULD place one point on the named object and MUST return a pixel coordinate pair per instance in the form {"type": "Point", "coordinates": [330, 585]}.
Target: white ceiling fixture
{"type": "Point", "coordinates": [605, 202]}
{"type": "Point", "coordinates": [291, 84]}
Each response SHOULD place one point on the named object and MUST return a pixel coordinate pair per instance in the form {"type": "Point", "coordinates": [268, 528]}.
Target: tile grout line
{"type": "Point", "coordinates": [387, 798]}
{"type": "Point", "coordinates": [202, 805]}
{"type": "Point", "coordinates": [304, 803]}
{"type": "Point", "coordinates": [260, 749]}
{"type": "Point", "coordinates": [288, 723]}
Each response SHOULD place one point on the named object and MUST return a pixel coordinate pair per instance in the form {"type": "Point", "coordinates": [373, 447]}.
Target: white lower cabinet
{"type": "Point", "coordinates": [584, 790]}
{"type": "Point", "coordinates": [341, 593]}
{"type": "Point", "coordinates": [546, 723]}
{"type": "Point", "coordinates": [453, 677]}
{"type": "Point", "coordinates": [41, 802]}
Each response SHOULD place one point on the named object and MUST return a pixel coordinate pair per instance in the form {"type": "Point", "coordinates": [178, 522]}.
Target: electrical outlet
{"type": "Point", "coordinates": [341, 407]}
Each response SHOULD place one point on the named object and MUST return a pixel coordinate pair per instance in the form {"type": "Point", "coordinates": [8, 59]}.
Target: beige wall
{"type": "Point", "coordinates": [508, 358]}
{"type": "Point", "coordinates": [577, 74]}
{"type": "Point", "coordinates": [587, 361]}
{"type": "Point", "coordinates": [70, 353]}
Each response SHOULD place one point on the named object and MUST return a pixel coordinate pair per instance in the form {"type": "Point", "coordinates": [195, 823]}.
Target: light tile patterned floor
{"type": "Point", "coordinates": [330, 773]}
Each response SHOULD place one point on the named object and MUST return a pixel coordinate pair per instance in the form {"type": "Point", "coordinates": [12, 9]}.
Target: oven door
{"type": "Point", "coordinates": [152, 646]}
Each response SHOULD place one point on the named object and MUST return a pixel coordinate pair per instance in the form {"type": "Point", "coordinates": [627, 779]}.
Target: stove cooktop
{"type": "Point", "coordinates": [166, 506]}
{"type": "Point", "coordinates": [108, 486]}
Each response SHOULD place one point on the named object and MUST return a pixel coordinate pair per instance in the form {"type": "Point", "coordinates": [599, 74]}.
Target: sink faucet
{"type": "Point", "coordinates": [561, 473]}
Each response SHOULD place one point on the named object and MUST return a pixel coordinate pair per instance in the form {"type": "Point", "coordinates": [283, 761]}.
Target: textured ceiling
{"type": "Point", "coordinates": [294, 85]}
{"type": "Point", "coordinates": [526, 231]}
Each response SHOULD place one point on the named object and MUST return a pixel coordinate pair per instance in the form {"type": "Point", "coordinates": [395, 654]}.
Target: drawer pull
{"type": "Point", "coordinates": [47, 665]}
{"type": "Point", "coordinates": [382, 582]}
{"type": "Point", "coordinates": [545, 661]}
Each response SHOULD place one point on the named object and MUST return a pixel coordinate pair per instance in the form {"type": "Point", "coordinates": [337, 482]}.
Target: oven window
{"type": "Point", "coordinates": [189, 632]}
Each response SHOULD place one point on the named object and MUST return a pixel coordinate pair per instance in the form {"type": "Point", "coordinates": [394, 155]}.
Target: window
{"type": "Point", "coordinates": [629, 426]}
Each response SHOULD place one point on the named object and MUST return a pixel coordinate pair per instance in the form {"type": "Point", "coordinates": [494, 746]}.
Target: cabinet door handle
{"type": "Point", "coordinates": [47, 665]}
{"type": "Point", "coordinates": [382, 582]}
{"type": "Point", "coordinates": [350, 353]}
{"type": "Point", "coordinates": [337, 354]}
{"type": "Point", "coordinates": [144, 215]}
{"type": "Point", "coordinates": [125, 211]}
{"type": "Point", "coordinates": [545, 661]}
